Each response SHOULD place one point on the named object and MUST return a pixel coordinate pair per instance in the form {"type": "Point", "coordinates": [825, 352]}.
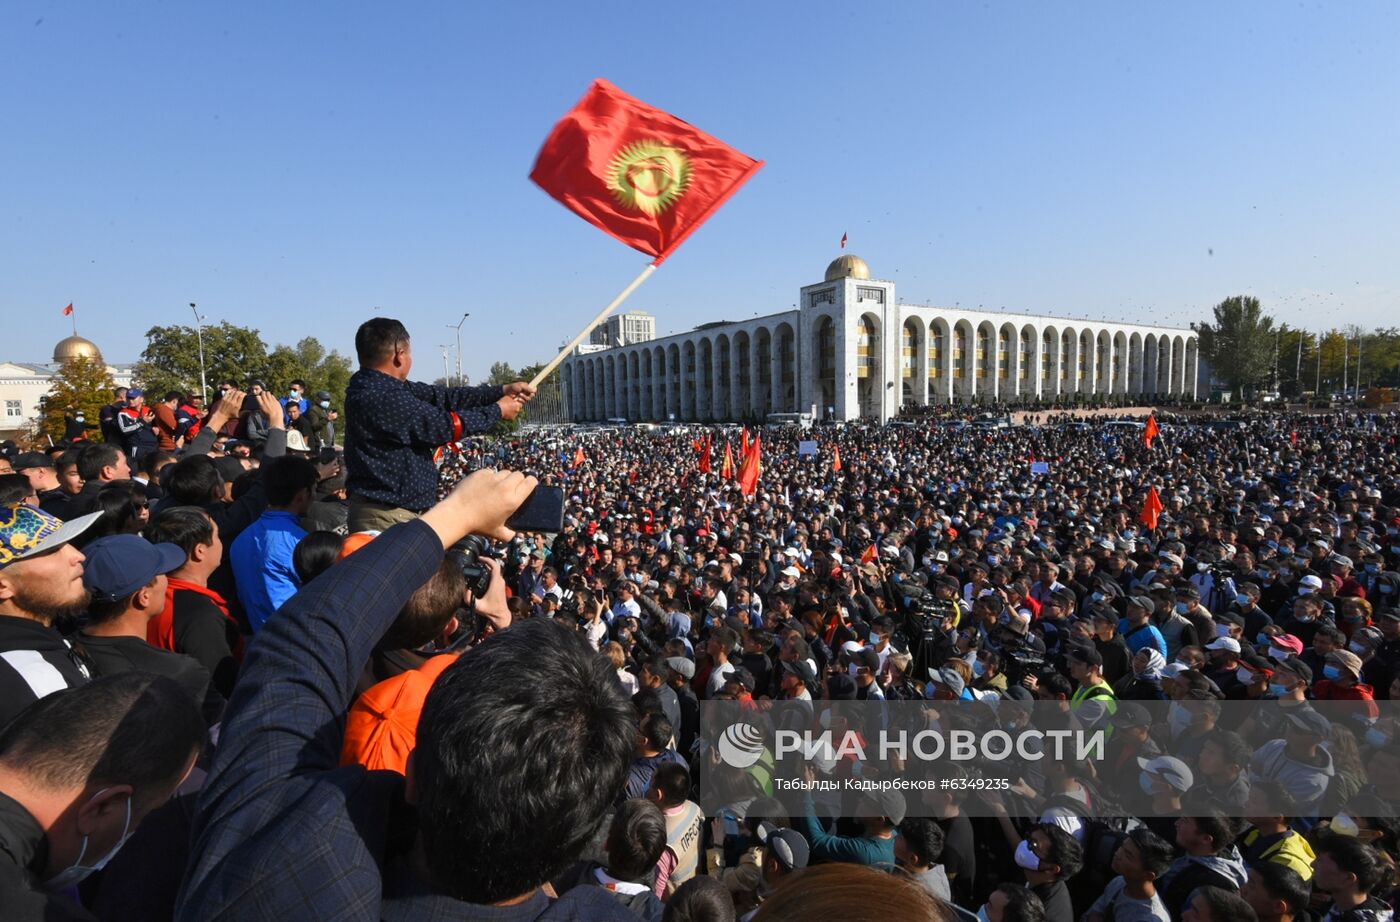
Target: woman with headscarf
{"type": "Point", "coordinates": [1144, 682]}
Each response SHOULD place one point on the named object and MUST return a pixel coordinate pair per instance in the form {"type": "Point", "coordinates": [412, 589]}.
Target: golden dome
{"type": "Point", "coordinates": [74, 346]}
{"type": "Point", "coordinates": [847, 267]}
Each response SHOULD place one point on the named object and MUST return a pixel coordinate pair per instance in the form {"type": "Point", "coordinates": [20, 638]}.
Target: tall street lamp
{"type": "Point", "coordinates": [458, 327]}
{"type": "Point", "coordinates": [199, 334]}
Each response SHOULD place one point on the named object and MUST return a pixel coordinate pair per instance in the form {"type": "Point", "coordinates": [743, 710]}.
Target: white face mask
{"type": "Point", "coordinates": [77, 872]}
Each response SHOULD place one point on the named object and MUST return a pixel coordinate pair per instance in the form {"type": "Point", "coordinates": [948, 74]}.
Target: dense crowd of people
{"type": "Point", "coordinates": [256, 669]}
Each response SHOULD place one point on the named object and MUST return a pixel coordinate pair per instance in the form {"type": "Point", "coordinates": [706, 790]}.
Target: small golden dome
{"type": "Point", "coordinates": [847, 267]}
{"type": "Point", "coordinates": [73, 347]}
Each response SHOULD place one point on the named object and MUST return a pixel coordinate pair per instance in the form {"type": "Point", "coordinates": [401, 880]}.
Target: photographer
{"type": "Point", "coordinates": [394, 425]}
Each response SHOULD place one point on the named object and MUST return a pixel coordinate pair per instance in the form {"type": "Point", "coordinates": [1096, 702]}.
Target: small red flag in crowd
{"type": "Point", "coordinates": [748, 474]}
{"type": "Point", "coordinates": [869, 554]}
{"type": "Point", "coordinates": [1152, 430]}
{"type": "Point", "coordinates": [706, 462]}
{"type": "Point", "coordinates": [836, 460]}
{"type": "Point", "coordinates": [843, 240]}
{"type": "Point", "coordinates": [727, 469]}
{"type": "Point", "coordinates": [744, 444]}
{"type": "Point", "coordinates": [1293, 437]}
{"type": "Point", "coordinates": [636, 172]}
{"type": "Point", "coordinates": [579, 457]}
{"type": "Point", "coordinates": [1151, 508]}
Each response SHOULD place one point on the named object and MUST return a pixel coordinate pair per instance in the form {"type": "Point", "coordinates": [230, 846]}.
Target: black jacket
{"type": "Point", "coordinates": [53, 665]}
{"type": "Point", "coordinates": [23, 853]}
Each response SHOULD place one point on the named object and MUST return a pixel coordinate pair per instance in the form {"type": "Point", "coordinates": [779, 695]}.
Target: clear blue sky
{"type": "Point", "coordinates": [301, 166]}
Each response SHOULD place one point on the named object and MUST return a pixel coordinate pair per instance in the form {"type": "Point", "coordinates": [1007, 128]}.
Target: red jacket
{"type": "Point", "coordinates": [1328, 690]}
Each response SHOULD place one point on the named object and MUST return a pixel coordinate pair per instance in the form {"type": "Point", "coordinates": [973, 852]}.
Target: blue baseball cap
{"type": "Point", "coordinates": [132, 394]}
{"type": "Point", "coordinates": [118, 565]}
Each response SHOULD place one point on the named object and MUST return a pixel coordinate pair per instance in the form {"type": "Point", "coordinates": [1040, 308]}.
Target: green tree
{"type": "Point", "coordinates": [80, 385]}
{"type": "Point", "coordinates": [1239, 345]}
{"type": "Point", "coordinates": [502, 373]}
{"type": "Point", "coordinates": [170, 360]}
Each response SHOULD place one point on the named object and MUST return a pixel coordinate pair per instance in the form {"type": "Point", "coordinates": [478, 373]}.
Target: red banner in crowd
{"type": "Point", "coordinates": [748, 474]}
{"type": "Point", "coordinates": [1152, 430]}
{"type": "Point", "coordinates": [1151, 508]}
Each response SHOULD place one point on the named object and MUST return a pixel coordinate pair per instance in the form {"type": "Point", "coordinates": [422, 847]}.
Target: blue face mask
{"type": "Point", "coordinates": [979, 668]}
{"type": "Point", "coordinates": [1331, 672]}
{"type": "Point", "coordinates": [1243, 600]}
{"type": "Point", "coordinates": [1261, 639]}
{"type": "Point", "coordinates": [1279, 691]}
{"type": "Point", "coordinates": [1182, 608]}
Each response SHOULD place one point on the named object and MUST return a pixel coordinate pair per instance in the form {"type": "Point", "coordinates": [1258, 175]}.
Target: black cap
{"type": "Point", "coordinates": [1131, 714]}
{"type": "Point", "coordinates": [742, 676]}
{"type": "Point", "coordinates": [31, 459]}
{"type": "Point", "coordinates": [840, 687]}
{"type": "Point", "coordinates": [801, 670]}
{"type": "Point", "coordinates": [1087, 655]}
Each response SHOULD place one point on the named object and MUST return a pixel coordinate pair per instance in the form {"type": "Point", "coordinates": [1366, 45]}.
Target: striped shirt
{"type": "Point", "coordinates": [35, 661]}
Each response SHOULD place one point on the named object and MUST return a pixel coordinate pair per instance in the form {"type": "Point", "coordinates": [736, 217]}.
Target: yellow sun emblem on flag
{"type": "Point", "coordinates": [649, 176]}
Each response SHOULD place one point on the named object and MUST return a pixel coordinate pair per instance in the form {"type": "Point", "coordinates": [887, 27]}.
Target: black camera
{"type": "Point", "coordinates": [469, 552]}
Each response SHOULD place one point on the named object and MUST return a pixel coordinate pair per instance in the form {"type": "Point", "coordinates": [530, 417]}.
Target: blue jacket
{"type": "Point", "coordinates": [262, 564]}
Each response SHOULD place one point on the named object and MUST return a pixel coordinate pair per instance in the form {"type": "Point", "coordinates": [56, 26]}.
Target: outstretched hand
{"type": "Point", "coordinates": [480, 505]}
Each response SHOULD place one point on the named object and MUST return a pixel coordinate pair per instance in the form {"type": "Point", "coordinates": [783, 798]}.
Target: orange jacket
{"type": "Point", "coordinates": [382, 726]}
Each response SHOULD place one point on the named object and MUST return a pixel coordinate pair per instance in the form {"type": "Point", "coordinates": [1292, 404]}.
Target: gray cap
{"type": "Point", "coordinates": [890, 804]}
{"type": "Point", "coordinates": [787, 845]}
{"type": "Point", "coordinates": [1171, 770]}
{"type": "Point", "coordinates": [1305, 719]}
{"type": "Point", "coordinates": [1141, 601]}
{"type": "Point", "coordinates": [950, 678]}
{"type": "Point", "coordinates": [681, 667]}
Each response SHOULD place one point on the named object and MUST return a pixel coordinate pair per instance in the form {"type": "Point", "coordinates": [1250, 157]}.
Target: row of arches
{"type": "Point", "coordinates": [725, 376]}
{"type": "Point", "coordinates": [962, 361]}
{"type": "Point", "coordinates": [752, 372]}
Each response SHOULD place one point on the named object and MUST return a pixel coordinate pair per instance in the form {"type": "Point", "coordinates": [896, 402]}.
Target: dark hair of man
{"type": "Point", "coordinates": [376, 340]}
{"type": "Point", "coordinates": [763, 809]}
{"type": "Point", "coordinates": [1022, 905]}
{"type": "Point", "coordinates": [172, 395]}
{"type": "Point", "coordinates": [1334, 634]}
{"type": "Point", "coordinates": [1353, 856]}
{"type": "Point", "coordinates": [1065, 850]}
{"type": "Point", "coordinates": [315, 554]}
{"type": "Point", "coordinates": [636, 839]}
{"type": "Point", "coordinates": [14, 488]}
{"type": "Point", "coordinates": [505, 720]}
{"type": "Point", "coordinates": [1055, 684]}
{"type": "Point", "coordinates": [1224, 905]}
{"type": "Point", "coordinates": [186, 527]}
{"type": "Point", "coordinates": [672, 780]}
{"type": "Point", "coordinates": [153, 459]}
{"type": "Point", "coordinates": [426, 613]}
{"type": "Point", "coordinates": [299, 383]}
{"type": "Point", "coordinates": [1157, 853]}
{"type": "Point", "coordinates": [195, 481]}
{"type": "Point", "coordinates": [925, 838]}
{"type": "Point", "coordinates": [285, 477]}
{"type": "Point", "coordinates": [1219, 828]}
{"type": "Point", "coordinates": [93, 458]}
{"type": "Point", "coordinates": [132, 728]}
{"type": "Point", "coordinates": [700, 899]}
{"type": "Point", "coordinates": [657, 730]}
{"type": "Point", "coordinates": [68, 458]}
{"type": "Point", "coordinates": [100, 611]}
{"type": "Point", "coordinates": [1283, 883]}
{"type": "Point", "coordinates": [1275, 798]}
{"type": "Point", "coordinates": [727, 638]}
{"type": "Point", "coordinates": [1234, 750]}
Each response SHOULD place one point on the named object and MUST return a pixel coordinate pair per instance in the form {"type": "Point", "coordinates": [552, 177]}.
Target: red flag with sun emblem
{"type": "Point", "coordinates": [636, 172]}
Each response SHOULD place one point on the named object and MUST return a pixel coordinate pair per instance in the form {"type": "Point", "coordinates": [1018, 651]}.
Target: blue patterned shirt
{"type": "Point", "coordinates": [393, 427]}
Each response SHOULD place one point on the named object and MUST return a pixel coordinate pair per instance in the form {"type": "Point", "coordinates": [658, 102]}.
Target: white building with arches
{"type": "Point", "coordinates": [851, 350]}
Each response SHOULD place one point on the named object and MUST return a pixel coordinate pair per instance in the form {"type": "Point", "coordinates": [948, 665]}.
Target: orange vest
{"type": "Point", "coordinates": [382, 726]}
